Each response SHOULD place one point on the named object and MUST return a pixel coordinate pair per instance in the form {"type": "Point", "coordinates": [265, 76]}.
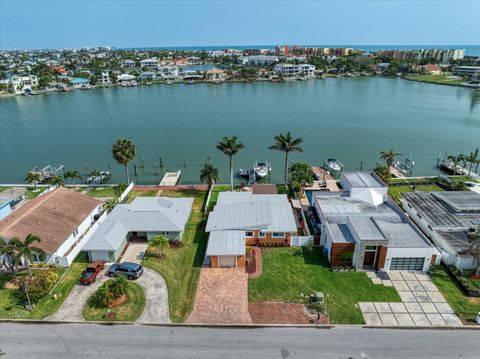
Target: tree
{"type": "Point", "coordinates": [119, 286]}
{"type": "Point", "coordinates": [8, 253]}
{"type": "Point", "coordinates": [471, 158]}
{"type": "Point", "coordinates": [25, 249]}
{"type": "Point", "coordinates": [110, 204]}
{"type": "Point", "coordinates": [209, 174]}
{"type": "Point", "coordinates": [230, 147]}
{"type": "Point", "coordinates": [301, 175]}
{"type": "Point", "coordinates": [72, 174]}
{"type": "Point", "coordinates": [123, 151]}
{"type": "Point", "coordinates": [33, 177]}
{"type": "Point", "coordinates": [389, 157]}
{"type": "Point", "coordinates": [383, 172]}
{"type": "Point", "coordinates": [456, 159]}
{"type": "Point", "coordinates": [56, 181]}
{"type": "Point", "coordinates": [474, 249]}
{"type": "Point", "coordinates": [104, 295]}
{"type": "Point", "coordinates": [285, 143]}
{"type": "Point", "coordinates": [160, 243]}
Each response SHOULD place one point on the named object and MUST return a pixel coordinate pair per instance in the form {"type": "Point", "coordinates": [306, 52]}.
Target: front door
{"type": "Point", "coordinates": [369, 258]}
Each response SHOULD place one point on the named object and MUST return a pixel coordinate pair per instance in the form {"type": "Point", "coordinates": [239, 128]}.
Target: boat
{"type": "Point", "coordinates": [149, 83]}
{"type": "Point", "coordinates": [333, 165]}
{"type": "Point", "coordinates": [405, 168]}
{"type": "Point", "coordinates": [262, 169]}
{"type": "Point", "coordinates": [169, 82]}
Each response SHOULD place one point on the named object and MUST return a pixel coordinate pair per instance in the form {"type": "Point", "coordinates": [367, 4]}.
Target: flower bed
{"type": "Point", "coordinates": [463, 279]}
{"type": "Point", "coordinates": [254, 262]}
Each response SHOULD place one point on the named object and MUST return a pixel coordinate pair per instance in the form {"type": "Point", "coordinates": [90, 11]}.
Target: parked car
{"type": "Point", "coordinates": [128, 269]}
{"type": "Point", "coordinates": [90, 274]}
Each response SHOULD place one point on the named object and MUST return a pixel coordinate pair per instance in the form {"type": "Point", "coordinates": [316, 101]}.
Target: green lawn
{"type": "Point", "coordinates": [45, 306]}
{"type": "Point", "coordinates": [135, 193]}
{"type": "Point", "coordinates": [215, 192]}
{"type": "Point", "coordinates": [288, 272]}
{"type": "Point", "coordinates": [181, 266]}
{"type": "Point", "coordinates": [102, 192]}
{"type": "Point", "coordinates": [437, 79]}
{"type": "Point", "coordinates": [466, 307]}
{"type": "Point", "coordinates": [396, 191]}
{"type": "Point", "coordinates": [127, 312]}
{"type": "Point", "coordinates": [3, 188]}
{"type": "Point", "coordinates": [32, 192]}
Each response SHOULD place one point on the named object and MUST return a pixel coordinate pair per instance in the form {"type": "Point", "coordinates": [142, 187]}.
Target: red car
{"type": "Point", "coordinates": [89, 275]}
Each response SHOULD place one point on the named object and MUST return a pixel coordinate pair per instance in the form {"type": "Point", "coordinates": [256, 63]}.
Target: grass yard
{"type": "Point", "coordinates": [396, 191]}
{"type": "Point", "coordinates": [181, 266]}
{"type": "Point", "coordinates": [466, 307]}
{"type": "Point", "coordinates": [135, 193]}
{"type": "Point", "coordinates": [127, 312]}
{"type": "Point", "coordinates": [215, 192]}
{"type": "Point", "coordinates": [32, 192]}
{"type": "Point", "coordinates": [3, 188]}
{"type": "Point", "coordinates": [102, 192]}
{"type": "Point", "coordinates": [45, 306]}
{"type": "Point", "coordinates": [288, 272]}
{"type": "Point", "coordinates": [437, 79]}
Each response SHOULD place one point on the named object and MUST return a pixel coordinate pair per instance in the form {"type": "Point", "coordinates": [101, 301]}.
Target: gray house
{"type": "Point", "coordinates": [139, 221]}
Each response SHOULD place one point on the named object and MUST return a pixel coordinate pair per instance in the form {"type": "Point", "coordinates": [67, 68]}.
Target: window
{"type": "Point", "coordinates": [262, 234]}
{"type": "Point", "coordinates": [249, 234]}
{"type": "Point", "coordinates": [278, 234]}
{"type": "Point", "coordinates": [408, 263]}
{"type": "Point", "coordinates": [164, 233]}
{"type": "Point", "coordinates": [370, 248]}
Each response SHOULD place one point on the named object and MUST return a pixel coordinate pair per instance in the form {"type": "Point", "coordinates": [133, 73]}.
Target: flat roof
{"type": "Point", "coordinates": [361, 179]}
{"type": "Point", "coordinates": [460, 201]}
{"type": "Point", "coordinates": [340, 233]}
{"type": "Point", "coordinates": [226, 243]}
{"type": "Point", "coordinates": [365, 228]}
{"type": "Point", "coordinates": [401, 235]}
{"type": "Point", "coordinates": [457, 240]}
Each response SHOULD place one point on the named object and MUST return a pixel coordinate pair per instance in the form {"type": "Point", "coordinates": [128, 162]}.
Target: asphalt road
{"type": "Point", "coordinates": [128, 341]}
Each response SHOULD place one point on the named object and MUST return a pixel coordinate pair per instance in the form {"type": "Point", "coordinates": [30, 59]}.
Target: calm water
{"type": "Point", "coordinates": [350, 119]}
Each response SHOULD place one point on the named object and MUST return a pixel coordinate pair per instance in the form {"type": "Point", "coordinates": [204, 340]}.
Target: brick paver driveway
{"type": "Point", "coordinates": [222, 297]}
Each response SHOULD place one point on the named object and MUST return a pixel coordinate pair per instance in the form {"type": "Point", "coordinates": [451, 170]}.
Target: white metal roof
{"type": "Point", "coordinates": [229, 243]}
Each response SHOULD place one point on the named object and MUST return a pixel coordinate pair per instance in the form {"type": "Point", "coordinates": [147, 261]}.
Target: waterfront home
{"type": "Point", "coordinates": [431, 69]}
{"type": "Point", "coordinates": [215, 75]}
{"type": "Point", "coordinates": [446, 218]}
{"type": "Point", "coordinates": [23, 83]}
{"type": "Point", "coordinates": [465, 70]}
{"type": "Point", "coordinates": [363, 228]}
{"type": "Point", "coordinates": [127, 63]}
{"type": "Point", "coordinates": [149, 63]}
{"type": "Point", "coordinates": [79, 82]}
{"type": "Point", "coordinates": [148, 75]}
{"type": "Point", "coordinates": [295, 71]}
{"type": "Point", "coordinates": [61, 218]}
{"type": "Point", "coordinates": [126, 80]}
{"type": "Point", "coordinates": [106, 78]}
{"type": "Point", "coordinates": [138, 221]}
{"type": "Point", "coordinates": [169, 73]}
{"type": "Point", "coordinates": [243, 218]}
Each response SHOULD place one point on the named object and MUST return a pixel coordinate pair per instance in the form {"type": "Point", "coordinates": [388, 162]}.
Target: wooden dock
{"type": "Point", "coordinates": [324, 182]}
{"type": "Point", "coordinates": [170, 178]}
{"type": "Point", "coordinates": [396, 173]}
{"type": "Point", "coordinates": [449, 167]}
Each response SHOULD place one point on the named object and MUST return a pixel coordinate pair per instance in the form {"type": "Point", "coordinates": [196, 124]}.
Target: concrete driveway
{"type": "Point", "coordinates": [156, 299]}
{"type": "Point", "coordinates": [72, 307]}
{"type": "Point", "coordinates": [134, 252]}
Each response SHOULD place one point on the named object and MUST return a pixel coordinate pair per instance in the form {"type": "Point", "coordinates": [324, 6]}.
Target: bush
{"type": "Point", "coordinates": [38, 285]}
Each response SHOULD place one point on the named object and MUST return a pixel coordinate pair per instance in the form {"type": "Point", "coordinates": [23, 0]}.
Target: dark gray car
{"type": "Point", "coordinates": [128, 269]}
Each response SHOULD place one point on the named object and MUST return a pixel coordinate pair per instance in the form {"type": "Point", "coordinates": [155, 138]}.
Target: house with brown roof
{"type": "Point", "coordinates": [62, 218]}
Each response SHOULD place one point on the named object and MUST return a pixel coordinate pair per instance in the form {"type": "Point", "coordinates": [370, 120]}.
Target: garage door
{"type": "Point", "coordinates": [408, 263]}
{"type": "Point", "coordinates": [227, 261]}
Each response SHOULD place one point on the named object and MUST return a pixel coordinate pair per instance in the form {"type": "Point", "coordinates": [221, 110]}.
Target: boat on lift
{"type": "Point", "coordinates": [333, 165]}
{"type": "Point", "coordinates": [262, 169]}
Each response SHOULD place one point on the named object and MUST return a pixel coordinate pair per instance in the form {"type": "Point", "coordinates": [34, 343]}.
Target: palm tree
{"type": "Point", "coordinates": [118, 286]}
{"type": "Point", "coordinates": [25, 249]}
{"type": "Point", "coordinates": [123, 151]}
{"type": "Point", "coordinates": [301, 175]}
{"type": "Point", "coordinates": [230, 147]}
{"type": "Point", "coordinates": [110, 204]}
{"type": "Point", "coordinates": [471, 158]}
{"type": "Point", "coordinates": [209, 174]}
{"type": "Point", "coordinates": [389, 157]}
{"type": "Point", "coordinates": [8, 253]}
{"type": "Point", "coordinates": [285, 143]}
{"type": "Point", "coordinates": [33, 177]}
{"type": "Point", "coordinates": [474, 249]}
{"type": "Point", "coordinates": [72, 174]}
{"type": "Point", "coordinates": [456, 159]}
{"type": "Point", "coordinates": [56, 181]}
{"type": "Point", "coordinates": [383, 172]}
{"type": "Point", "coordinates": [104, 295]}
{"type": "Point", "coordinates": [159, 242]}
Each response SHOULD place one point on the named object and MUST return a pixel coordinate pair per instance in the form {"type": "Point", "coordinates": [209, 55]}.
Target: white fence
{"type": "Point", "coordinates": [126, 192]}
{"type": "Point", "coordinates": [301, 241]}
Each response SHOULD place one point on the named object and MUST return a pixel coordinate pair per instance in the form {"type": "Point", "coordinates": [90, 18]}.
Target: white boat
{"type": "Point", "coordinates": [332, 165]}
{"type": "Point", "coordinates": [262, 169]}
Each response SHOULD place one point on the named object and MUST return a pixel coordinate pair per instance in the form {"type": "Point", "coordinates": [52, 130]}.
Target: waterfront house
{"type": "Point", "coordinates": [215, 75]}
{"type": "Point", "coordinates": [61, 218]}
{"type": "Point", "coordinates": [243, 218]}
{"type": "Point", "coordinates": [465, 70]}
{"type": "Point", "coordinates": [106, 78]}
{"type": "Point", "coordinates": [169, 73]}
{"type": "Point", "coordinates": [23, 83]}
{"type": "Point", "coordinates": [138, 221]}
{"type": "Point", "coordinates": [126, 80]}
{"type": "Point", "coordinates": [79, 82]}
{"type": "Point", "coordinates": [363, 228]}
{"type": "Point", "coordinates": [127, 63]}
{"type": "Point", "coordinates": [295, 71]}
{"type": "Point", "coordinates": [446, 218]}
{"type": "Point", "coordinates": [148, 76]}
{"type": "Point", "coordinates": [431, 69]}
{"type": "Point", "coordinates": [149, 63]}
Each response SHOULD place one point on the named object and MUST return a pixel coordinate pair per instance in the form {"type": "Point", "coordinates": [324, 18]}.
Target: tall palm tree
{"type": "Point", "coordinates": [230, 147]}
{"type": "Point", "coordinates": [33, 177]}
{"type": "Point", "coordinates": [72, 174]}
{"type": "Point", "coordinates": [471, 158]}
{"type": "Point", "coordinates": [25, 249]}
{"type": "Point", "coordinates": [389, 157]}
{"type": "Point", "coordinates": [474, 249]}
{"type": "Point", "coordinates": [286, 143]}
{"type": "Point", "coordinates": [456, 159]}
{"type": "Point", "coordinates": [209, 174]}
{"type": "Point", "coordinates": [301, 175]}
{"type": "Point", "coordinates": [8, 253]}
{"type": "Point", "coordinates": [123, 151]}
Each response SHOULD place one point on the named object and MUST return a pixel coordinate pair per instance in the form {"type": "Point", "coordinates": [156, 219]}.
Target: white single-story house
{"type": "Point", "coordinates": [243, 218]}
{"type": "Point", "coordinates": [61, 218]}
{"type": "Point", "coordinates": [362, 227]}
{"type": "Point", "coordinates": [446, 218]}
{"type": "Point", "coordinates": [140, 220]}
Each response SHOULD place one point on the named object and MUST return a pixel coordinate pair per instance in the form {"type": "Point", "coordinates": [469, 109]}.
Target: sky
{"type": "Point", "coordinates": [35, 24]}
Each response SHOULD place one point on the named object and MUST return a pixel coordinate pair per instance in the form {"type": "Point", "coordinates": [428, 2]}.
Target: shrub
{"type": "Point", "coordinates": [37, 286]}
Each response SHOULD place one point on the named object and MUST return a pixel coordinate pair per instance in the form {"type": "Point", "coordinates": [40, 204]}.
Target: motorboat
{"type": "Point", "coordinates": [333, 165]}
{"type": "Point", "coordinates": [262, 169]}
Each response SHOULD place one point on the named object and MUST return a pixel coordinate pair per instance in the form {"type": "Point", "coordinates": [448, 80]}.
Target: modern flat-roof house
{"type": "Point", "coordinates": [446, 218]}
{"type": "Point", "coordinates": [243, 218]}
{"type": "Point", "coordinates": [61, 218]}
{"type": "Point", "coordinates": [140, 220]}
{"type": "Point", "coordinates": [362, 227]}
{"type": "Point", "coordinates": [293, 70]}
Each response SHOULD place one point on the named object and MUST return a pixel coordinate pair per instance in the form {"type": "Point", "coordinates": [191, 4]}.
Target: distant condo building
{"type": "Point", "coordinates": [442, 55]}
{"type": "Point", "coordinates": [257, 60]}
{"type": "Point", "coordinates": [292, 70]}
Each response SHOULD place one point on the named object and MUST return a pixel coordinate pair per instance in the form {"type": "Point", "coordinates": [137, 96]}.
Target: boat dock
{"type": "Point", "coordinates": [170, 178]}
{"type": "Point", "coordinates": [325, 181]}
{"type": "Point", "coordinates": [396, 173]}
{"type": "Point", "coordinates": [450, 167]}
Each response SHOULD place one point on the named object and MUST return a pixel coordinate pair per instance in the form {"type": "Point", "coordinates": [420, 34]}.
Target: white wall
{"type": "Point", "coordinates": [410, 253]}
